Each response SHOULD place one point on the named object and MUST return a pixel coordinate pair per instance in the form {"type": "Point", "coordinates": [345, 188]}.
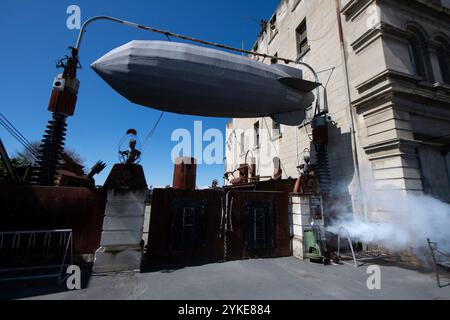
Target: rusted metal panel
{"type": "Point", "coordinates": [246, 210]}
{"type": "Point", "coordinates": [271, 207]}
{"type": "Point", "coordinates": [169, 207]}
{"type": "Point", "coordinates": [40, 207]}
{"type": "Point", "coordinates": [185, 174]}
{"type": "Point", "coordinates": [62, 101]}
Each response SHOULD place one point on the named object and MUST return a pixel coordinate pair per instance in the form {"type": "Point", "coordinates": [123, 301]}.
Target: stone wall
{"type": "Point", "coordinates": [400, 137]}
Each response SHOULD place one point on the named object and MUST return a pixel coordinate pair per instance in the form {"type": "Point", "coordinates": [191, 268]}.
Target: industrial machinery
{"type": "Point", "coordinates": [62, 105]}
{"type": "Point", "coordinates": [319, 125]}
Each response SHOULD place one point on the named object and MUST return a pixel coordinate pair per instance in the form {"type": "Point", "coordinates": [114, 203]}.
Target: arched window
{"type": "Point", "coordinates": [420, 57]}
{"type": "Point", "coordinates": [443, 53]}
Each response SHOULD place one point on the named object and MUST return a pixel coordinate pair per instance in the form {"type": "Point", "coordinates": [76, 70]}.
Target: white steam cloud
{"type": "Point", "coordinates": [409, 219]}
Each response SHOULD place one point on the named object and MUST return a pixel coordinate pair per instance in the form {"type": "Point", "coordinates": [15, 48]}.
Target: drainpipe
{"type": "Point", "coordinates": [351, 115]}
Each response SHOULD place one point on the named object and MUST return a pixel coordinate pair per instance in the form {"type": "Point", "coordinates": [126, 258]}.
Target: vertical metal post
{"type": "Point", "coordinates": [436, 267]}
{"type": "Point", "coordinates": [349, 243]}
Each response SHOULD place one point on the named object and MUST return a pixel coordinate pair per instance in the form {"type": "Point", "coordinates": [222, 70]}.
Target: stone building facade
{"type": "Point", "coordinates": [385, 67]}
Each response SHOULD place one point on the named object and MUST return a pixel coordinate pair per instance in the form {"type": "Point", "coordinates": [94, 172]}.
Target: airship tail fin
{"type": "Point", "coordinates": [299, 84]}
{"type": "Point", "coordinates": [294, 118]}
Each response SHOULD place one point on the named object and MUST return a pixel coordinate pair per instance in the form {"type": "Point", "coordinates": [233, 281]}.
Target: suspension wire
{"type": "Point", "coordinates": [328, 69]}
{"type": "Point", "coordinates": [32, 151]}
{"type": "Point", "coordinates": [15, 129]}
{"type": "Point", "coordinates": [175, 35]}
{"type": "Point", "coordinates": [19, 137]}
{"type": "Point", "coordinates": [153, 130]}
{"type": "Point", "coordinates": [13, 133]}
{"type": "Point", "coordinates": [329, 77]}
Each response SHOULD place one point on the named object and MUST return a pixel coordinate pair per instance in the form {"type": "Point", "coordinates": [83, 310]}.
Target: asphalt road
{"type": "Point", "coordinates": [270, 279]}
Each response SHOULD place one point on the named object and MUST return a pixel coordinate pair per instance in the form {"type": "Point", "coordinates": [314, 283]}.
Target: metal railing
{"type": "Point", "coordinates": [440, 260]}
{"type": "Point", "coordinates": [341, 230]}
{"type": "Point", "coordinates": [35, 254]}
{"type": "Point", "coordinates": [358, 257]}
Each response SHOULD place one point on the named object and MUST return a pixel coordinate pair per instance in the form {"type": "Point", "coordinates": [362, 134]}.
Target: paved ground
{"type": "Point", "coordinates": [271, 279]}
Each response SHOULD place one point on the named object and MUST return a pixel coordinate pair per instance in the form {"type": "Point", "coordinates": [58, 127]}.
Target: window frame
{"type": "Point", "coordinates": [419, 54]}
{"type": "Point", "coordinates": [301, 39]}
{"type": "Point", "coordinates": [257, 133]}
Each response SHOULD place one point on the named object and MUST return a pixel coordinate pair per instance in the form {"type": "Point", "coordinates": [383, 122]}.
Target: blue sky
{"type": "Point", "coordinates": [34, 35]}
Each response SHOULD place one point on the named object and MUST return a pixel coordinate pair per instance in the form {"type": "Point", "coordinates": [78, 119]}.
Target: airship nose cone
{"type": "Point", "coordinates": [94, 66]}
{"type": "Point", "coordinates": [103, 71]}
{"type": "Point", "coordinates": [114, 65]}
{"type": "Point", "coordinates": [115, 61]}
{"type": "Point", "coordinates": [100, 67]}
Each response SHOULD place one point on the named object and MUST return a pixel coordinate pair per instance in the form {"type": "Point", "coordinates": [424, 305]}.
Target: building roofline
{"type": "Point", "coordinates": [270, 18]}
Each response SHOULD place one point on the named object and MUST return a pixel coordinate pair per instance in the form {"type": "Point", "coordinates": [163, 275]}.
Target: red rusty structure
{"type": "Point", "coordinates": [185, 227]}
{"type": "Point", "coordinates": [185, 173]}
{"type": "Point", "coordinates": [43, 208]}
{"type": "Point", "coordinates": [199, 226]}
{"type": "Point", "coordinates": [190, 226]}
{"type": "Point", "coordinates": [257, 225]}
{"type": "Point", "coordinates": [62, 105]}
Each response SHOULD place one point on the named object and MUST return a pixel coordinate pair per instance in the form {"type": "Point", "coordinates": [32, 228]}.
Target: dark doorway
{"type": "Point", "coordinates": [188, 225]}
{"type": "Point", "coordinates": [260, 227]}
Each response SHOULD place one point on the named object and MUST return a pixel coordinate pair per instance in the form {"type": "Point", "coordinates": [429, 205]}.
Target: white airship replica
{"type": "Point", "coordinates": [188, 79]}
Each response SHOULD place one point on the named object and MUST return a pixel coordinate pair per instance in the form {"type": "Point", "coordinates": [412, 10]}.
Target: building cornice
{"type": "Point", "coordinates": [390, 82]}
{"type": "Point", "coordinates": [437, 12]}
{"type": "Point", "coordinates": [354, 8]}
{"type": "Point", "coordinates": [382, 29]}
{"type": "Point", "coordinates": [374, 149]}
{"type": "Point", "coordinates": [366, 39]}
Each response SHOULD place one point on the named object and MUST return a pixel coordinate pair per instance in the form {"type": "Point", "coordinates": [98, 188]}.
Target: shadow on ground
{"type": "Point", "coordinates": [165, 267]}
{"type": "Point", "coordinates": [19, 289]}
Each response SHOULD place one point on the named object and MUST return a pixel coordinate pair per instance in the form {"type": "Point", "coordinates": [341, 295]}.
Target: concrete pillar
{"type": "Point", "coordinates": [301, 219]}
{"type": "Point", "coordinates": [121, 242]}
{"type": "Point", "coordinates": [299, 211]}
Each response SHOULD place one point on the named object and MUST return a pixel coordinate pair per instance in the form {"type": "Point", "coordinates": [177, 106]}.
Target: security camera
{"type": "Point", "coordinates": [59, 82]}
{"type": "Point", "coordinates": [329, 118]}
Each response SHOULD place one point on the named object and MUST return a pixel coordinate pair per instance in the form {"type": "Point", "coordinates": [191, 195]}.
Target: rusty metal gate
{"type": "Point", "coordinates": [260, 229]}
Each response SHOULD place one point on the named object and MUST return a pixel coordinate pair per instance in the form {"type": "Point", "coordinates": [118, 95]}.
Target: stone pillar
{"type": "Point", "coordinates": [121, 242]}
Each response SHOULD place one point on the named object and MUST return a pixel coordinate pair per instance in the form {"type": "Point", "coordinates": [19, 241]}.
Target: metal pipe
{"type": "Point", "coordinates": [349, 243]}
{"type": "Point", "coordinates": [350, 110]}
